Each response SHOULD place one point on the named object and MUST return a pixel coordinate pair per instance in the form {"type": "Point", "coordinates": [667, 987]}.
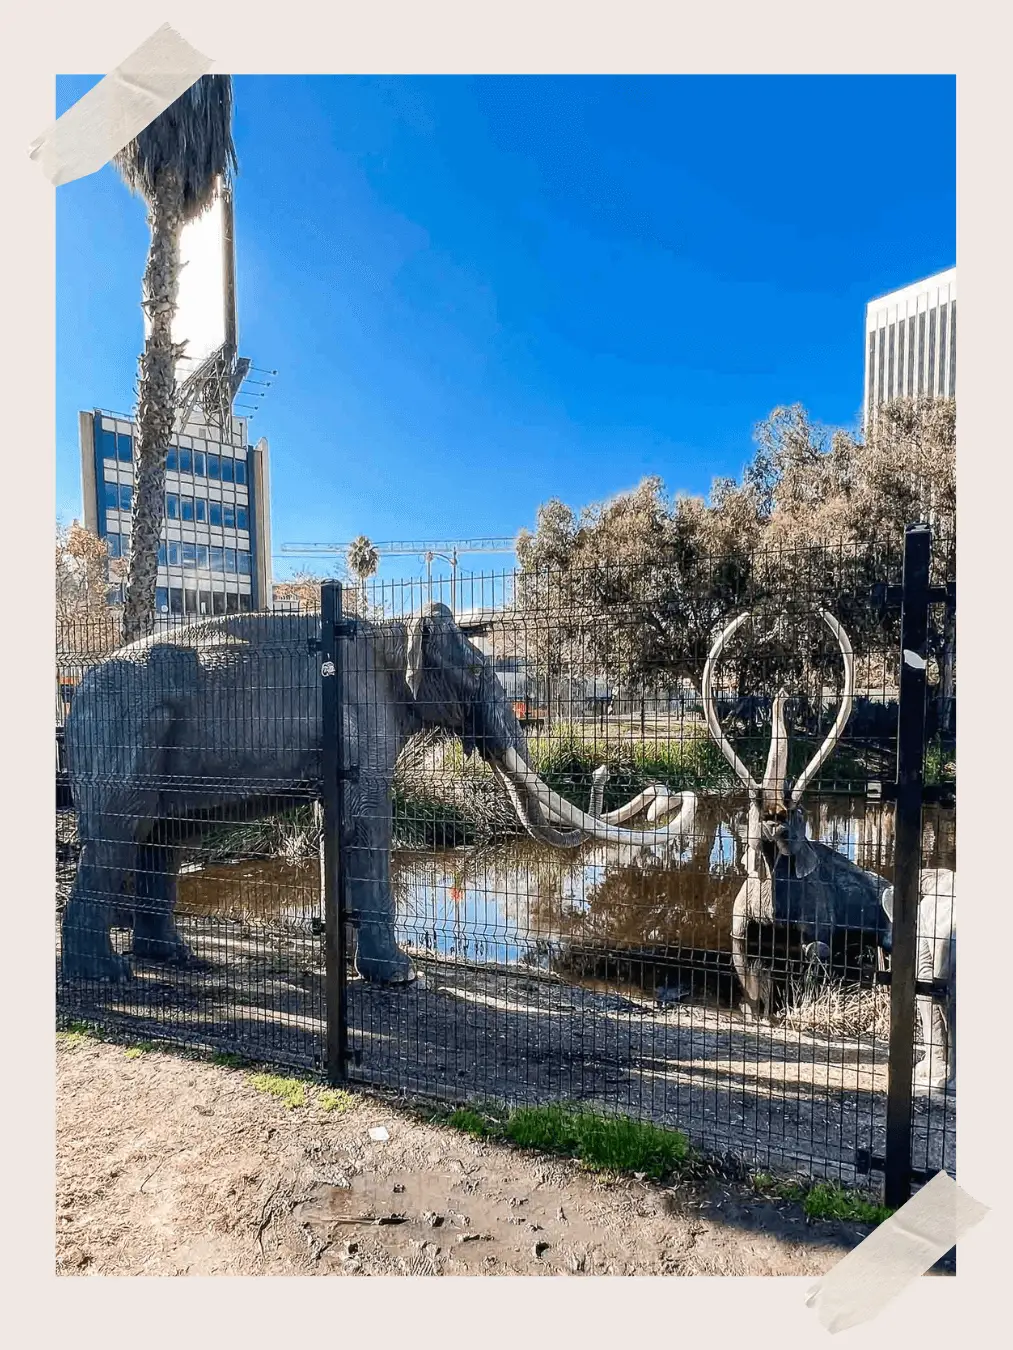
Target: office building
{"type": "Point", "coordinates": [215, 556]}
{"type": "Point", "coordinates": [911, 343]}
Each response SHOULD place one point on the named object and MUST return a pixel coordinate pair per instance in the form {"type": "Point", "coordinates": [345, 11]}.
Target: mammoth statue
{"type": "Point", "coordinates": [937, 961]}
{"type": "Point", "coordinates": [791, 879]}
{"type": "Point", "coordinates": [222, 720]}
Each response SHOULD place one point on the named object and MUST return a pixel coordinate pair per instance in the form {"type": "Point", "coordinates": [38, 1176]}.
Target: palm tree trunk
{"type": "Point", "coordinates": [156, 406]}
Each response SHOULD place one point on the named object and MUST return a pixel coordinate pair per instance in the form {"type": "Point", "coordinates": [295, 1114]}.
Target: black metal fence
{"type": "Point", "coordinates": [537, 850]}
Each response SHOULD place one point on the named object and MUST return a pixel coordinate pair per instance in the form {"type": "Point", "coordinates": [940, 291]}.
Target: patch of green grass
{"type": "Point", "coordinates": [70, 1040]}
{"type": "Point", "coordinates": [290, 1091]}
{"type": "Point", "coordinates": [604, 1143]}
{"type": "Point", "coordinates": [828, 1200]}
{"type": "Point", "coordinates": [469, 1122]}
{"type": "Point", "coordinates": [334, 1100]}
{"type": "Point", "coordinates": [225, 1060]}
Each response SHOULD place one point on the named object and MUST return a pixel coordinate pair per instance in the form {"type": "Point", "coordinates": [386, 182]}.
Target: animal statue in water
{"type": "Point", "coordinates": [790, 878]}
{"type": "Point", "coordinates": [936, 936]}
{"type": "Point", "coordinates": [221, 721]}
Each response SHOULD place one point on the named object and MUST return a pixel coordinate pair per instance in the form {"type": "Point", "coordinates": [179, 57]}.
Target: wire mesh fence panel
{"type": "Point", "coordinates": [610, 889]}
{"type": "Point", "coordinates": [188, 835]}
{"type": "Point", "coordinates": [620, 835]}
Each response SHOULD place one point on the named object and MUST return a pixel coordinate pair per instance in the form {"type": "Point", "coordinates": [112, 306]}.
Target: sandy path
{"type": "Point", "coordinates": [174, 1166]}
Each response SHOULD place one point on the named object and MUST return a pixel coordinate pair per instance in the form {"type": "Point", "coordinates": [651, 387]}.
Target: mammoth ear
{"type": "Point", "coordinates": [413, 667]}
{"type": "Point", "coordinates": [806, 860]}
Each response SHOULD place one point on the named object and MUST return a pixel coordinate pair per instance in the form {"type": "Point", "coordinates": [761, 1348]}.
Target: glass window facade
{"type": "Point", "coordinates": [240, 471]}
{"type": "Point", "coordinates": [229, 516]}
{"type": "Point", "coordinates": [228, 469]}
{"type": "Point", "coordinates": [199, 468]}
{"type": "Point", "coordinates": [124, 448]}
{"type": "Point", "coordinates": [172, 459]}
{"type": "Point", "coordinates": [171, 506]}
{"type": "Point", "coordinates": [214, 467]}
{"type": "Point", "coordinates": [186, 508]}
{"type": "Point", "coordinates": [107, 443]}
{"type": "Point", "coordinates": [111, 496]}
{"type": "Point", "coordinates": [126, 496]}
{"type": "Point", "coordinates": [215, 513]}
{"type": "Point", "coordinates": [245, 563]}
{"type": "Point", "coordinates": [242, 518]}
{"type": "Point", "coordinates": [185, 460]}
{"type": "Point", "coordinates": [230, 560]}
{"type": "Point", "coordinates": [217, 559]}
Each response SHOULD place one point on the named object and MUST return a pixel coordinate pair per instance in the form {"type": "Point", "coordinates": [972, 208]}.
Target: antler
{"type": "Point", "coordinates": [710, 711]}
{"type": "Point", "coordinates": [843, 713]}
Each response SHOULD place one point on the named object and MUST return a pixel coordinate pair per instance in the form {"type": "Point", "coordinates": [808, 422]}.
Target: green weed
{"type": "Point", "coordinates": [290, 1091]}
{"type": "Point", "coordinates": [828, 1200]}
{"type": "Point", "coordinates": [334, 1100]}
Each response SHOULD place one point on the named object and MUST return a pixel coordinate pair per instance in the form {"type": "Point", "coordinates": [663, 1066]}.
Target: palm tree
{"type": "Point", "coordinates": [363, 560]}
{"type": "Point", "coordinates": [178, 164]}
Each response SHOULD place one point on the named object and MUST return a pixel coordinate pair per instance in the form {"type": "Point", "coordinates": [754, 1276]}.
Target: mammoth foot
{"type": "Point", "coordinates": [391, 970]}
{"type": "Point", "coordinates": [167, 952]}
{"type": "Point", "coordinates": [107, 966]}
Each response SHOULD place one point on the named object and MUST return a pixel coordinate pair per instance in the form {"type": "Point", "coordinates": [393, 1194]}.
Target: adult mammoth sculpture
{"type": "Point", "coordinates": [791, 879]}
{"type": "Point", "coordinates": [937, 962]}
{"type": "Point", "coordinates": [222, 720]}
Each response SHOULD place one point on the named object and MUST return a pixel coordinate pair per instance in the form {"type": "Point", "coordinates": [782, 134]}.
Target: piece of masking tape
{"type": "Point", "coordinates": [901, 1249]}
{"type": "Point", "coordinates": [120, 106]}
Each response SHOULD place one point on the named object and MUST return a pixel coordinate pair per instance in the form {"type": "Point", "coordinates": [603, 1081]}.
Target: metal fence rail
{"type": "Point", "coordinates": [420, 849]}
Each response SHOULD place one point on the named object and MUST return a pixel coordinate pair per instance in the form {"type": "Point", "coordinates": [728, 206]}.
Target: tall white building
{"type": "Point", "coordinates": [911, 342]}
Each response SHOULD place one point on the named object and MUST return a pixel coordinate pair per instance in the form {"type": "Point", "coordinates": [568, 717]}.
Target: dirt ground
{"type": "Point", "coordinates": [177, 1166]}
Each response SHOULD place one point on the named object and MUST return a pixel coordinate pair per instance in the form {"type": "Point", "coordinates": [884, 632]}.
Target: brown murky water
{"type": "Point", "coordinates": [522, 901]}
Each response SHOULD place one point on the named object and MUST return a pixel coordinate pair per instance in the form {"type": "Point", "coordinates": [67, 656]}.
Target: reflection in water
{"type": "Point", "coordinates": [523, 901]}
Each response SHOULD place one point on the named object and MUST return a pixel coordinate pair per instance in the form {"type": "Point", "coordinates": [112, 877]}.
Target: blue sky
{"type": "Point", "coordinates": [483, 292]}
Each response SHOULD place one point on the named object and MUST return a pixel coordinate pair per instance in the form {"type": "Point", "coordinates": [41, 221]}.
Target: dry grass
{"type": "Point", "coordinates": [835, 1008]}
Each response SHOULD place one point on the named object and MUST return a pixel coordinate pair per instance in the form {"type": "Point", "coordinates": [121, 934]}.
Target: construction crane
{"type": "Point", "coordinates": [427, 550]}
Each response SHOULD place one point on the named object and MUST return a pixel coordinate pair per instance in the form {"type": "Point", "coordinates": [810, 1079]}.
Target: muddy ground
{"type": "Point", "coordinates": [176, 1166]}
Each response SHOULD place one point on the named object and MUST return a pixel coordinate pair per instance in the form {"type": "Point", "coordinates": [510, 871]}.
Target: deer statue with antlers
{"type": "Point", "coordinates": [791, 879]}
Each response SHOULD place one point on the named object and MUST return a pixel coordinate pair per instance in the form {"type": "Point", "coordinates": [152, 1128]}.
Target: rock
{"type": "Point", "coordinates": [389, 1219]}
{"type": "Point", "coordinates": [433, 1220]}
{"type": "Point", "coordinates": [379, 1134]}
{"type": "Point", "coordinates": [560, 1215]}
{"type": "Point", "coordinates": [538, 1248]}
{"type": "Point", "coordinates": [668, 994]}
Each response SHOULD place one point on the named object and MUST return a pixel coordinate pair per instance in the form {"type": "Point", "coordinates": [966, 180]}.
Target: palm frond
{"type": "Point", "coordinates": [194, 137]}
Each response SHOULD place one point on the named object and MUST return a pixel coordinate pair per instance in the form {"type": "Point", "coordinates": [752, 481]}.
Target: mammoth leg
{"type": "Point", "coordinates": [96, 901]}
{"type": "Point", "coordinates": [937, 1067]}
{"type": "Point", "coordinates": [155, 935]}
{"type": "Point", "coordinates": [370, 897]}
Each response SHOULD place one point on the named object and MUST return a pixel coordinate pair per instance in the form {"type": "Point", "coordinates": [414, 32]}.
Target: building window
{"type": "Point", "coordinates": [242, 519]}
{"type": "Point", "coordinates": [229, 517]}
{"type": "Point", "coordinates": [880, 383]}
{"type": "Point", "coordinates": [245, 565]}
{"type": "Point", "coordinates": [125, 449]}
{"type": "Point", "coordinates": [173, 555]}
{"type": "Point", "coordinates": [172, 506]}
{"type": "Point", "coordinates": [215, 512]}
{"type": "Point", "coordinates": [175, 600]}
{"type": "Point", "coordinates": [201, 509]}
{"type": "Point", "coordinates": [204, 600]}
{"type": "Point", "coordinates": [161, 600]}
{"type": "Point", "coordinates": [911, 356]}
{"type": "Point", "coordinates": [246, 602]}
{"type": "Point", "coordinates": [186, 508]}
{"type": "Point", "coordinates": [240, 471]}
{"type": "Point", "coordinates": [190, 600]}
{"type": "Point", "coordinates": [114, 546]}
{"type": "Point", "coordinates": [217, 559]}
{"type": "Point", "coordinates": [107, 443]}
{"type": "Point", "coordinates": [161, 555]}
{"type": "Point", "coordinates": [185, 460]}
{"type": "Point", "coordinates": [872, 374]}
{"type": "Point", "coordinates": [202, 556]}
{"type": "Point", "coordinates": [112, 496]}
{"type": "Point", "coordinates": [230, 560]}
{"type": "Point", "coordinates": [942, 349]}
{"type": "Point", "coordinates": [228, 470]}
{"type": "Point", "coordinates": [901, 327]}
{"type": "Point", "coordinates": [232, 603]}
{"type": "Point", "coordinates": [931, 389]}
{"type": "Point", "coordinates": [172, 459]}
{"type": "Point", "coordinates": [189, 555]}
{"type": "Point", "coordinates": [126, 496]}
{"type": "Point", "coordinates": [218, 602]}
{"type": "Point", "coordinates": [921, 353]}
{"type": "Point", "coordinates": [198, 464]}
{"type": "Point", "coordinates": [953, 349]}
{"type": "Point", "coordinates": [214, 467]}
{"type": "Point", "coordinates": [890, 361]}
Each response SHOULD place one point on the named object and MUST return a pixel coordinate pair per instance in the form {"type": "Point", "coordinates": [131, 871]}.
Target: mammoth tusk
{"type": "Point", "coordinates": [843, 713]}
{"type": "Point", "coordinates": [776, 772]}
{"type": "Point", "coordinates": [710, 712]}
{"type": "Point", "coordinates": [559, 809]}
{"type": "Point", "coordinates": [537, 829]}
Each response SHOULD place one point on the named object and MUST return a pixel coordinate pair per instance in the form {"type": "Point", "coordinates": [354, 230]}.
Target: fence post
{"type": "Point", "coordinates": [907, 861]}
{"type": "Point", "coordinates": [331, 680]}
